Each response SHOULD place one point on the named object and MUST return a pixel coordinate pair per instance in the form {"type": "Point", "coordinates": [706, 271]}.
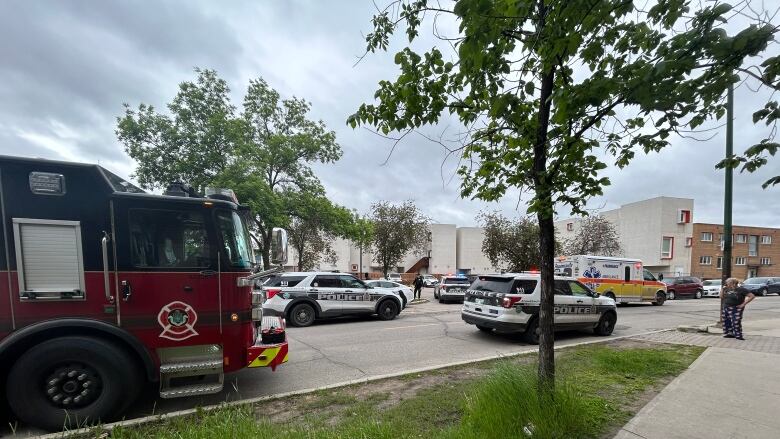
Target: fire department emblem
{"type": "Point", "coordinates": [178, 321]}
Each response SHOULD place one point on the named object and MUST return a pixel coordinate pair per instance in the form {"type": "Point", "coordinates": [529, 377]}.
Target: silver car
{"type": "Point", "coordinates": [451, 289]}
{"type": "Point", "coordinates": [712, 287]}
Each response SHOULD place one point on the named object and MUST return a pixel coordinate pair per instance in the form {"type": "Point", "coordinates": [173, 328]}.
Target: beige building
{"type": "Point", "coordinates": [469, 256]}
{"type": "Point", "coordinates": [655, 231]}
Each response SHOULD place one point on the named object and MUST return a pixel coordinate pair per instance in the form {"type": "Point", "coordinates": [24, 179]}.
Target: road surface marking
{"type": "Point", "coordinates": [412, 326]}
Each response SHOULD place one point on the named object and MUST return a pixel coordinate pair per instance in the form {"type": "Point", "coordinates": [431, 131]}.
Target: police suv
{"type": "Point", "coordinates": [510, 303]}
{"type": "Point", "coordinates": [306, 296]}
{"type": "Point", "coordinates": [451, 289]}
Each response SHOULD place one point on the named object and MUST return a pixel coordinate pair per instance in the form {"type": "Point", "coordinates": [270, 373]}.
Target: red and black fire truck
{"type": "Point", "coordinates": [104, 287]}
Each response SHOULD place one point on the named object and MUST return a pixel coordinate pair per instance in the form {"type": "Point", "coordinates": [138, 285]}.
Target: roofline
{"type": "Point", "coordinates": [736, 225]}
{"type": "Point", "coordinates": [610, 258]}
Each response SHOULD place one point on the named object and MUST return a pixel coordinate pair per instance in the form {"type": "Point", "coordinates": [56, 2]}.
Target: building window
{"type": "Point", "coordinates": [688, 242]}
{"type": "Point", "coordinates": [766, 239]}
{"type": "Point", "coordinates": [739, 260]}
{"type": "Point", "coordinates": [667, 247]}
{"type": "Point", "coordinates": [753, 245]}
{"type": "Point", "coordinates": [705, 260]}
{"type": "Point", "coordinates": [706, 236]}
{"type": "Point", "coordinates": [570, 227]}
{"type": "Point", "coordinates": [683, 216]}
{"type": "Point", "coordinates": [740, 239]}
{"type": "Point", "coordinates": [719, 261]}
{"type": "Point", "coordinates": [766, 261]}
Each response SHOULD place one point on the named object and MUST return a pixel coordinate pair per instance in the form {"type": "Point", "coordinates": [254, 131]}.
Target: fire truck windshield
{"type": "Point", "coordinates": [235, 239]}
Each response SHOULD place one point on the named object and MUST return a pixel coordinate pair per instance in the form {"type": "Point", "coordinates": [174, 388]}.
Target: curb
{"type": "Point", "coordinates": [187, 412]}
{"type": "Point", "coordinates": [712, 329]}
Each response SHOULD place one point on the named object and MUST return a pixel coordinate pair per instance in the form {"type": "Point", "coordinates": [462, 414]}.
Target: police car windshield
{"type": "Point", "coordinates": [456, 280]}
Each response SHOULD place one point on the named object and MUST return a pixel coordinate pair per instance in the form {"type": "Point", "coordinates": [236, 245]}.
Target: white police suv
{"type": "Point", "coordinates": [306, 296]}
{"type": "Point", "coordinates": [510, 303]}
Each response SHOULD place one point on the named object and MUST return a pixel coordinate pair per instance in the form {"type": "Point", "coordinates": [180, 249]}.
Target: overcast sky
{"type": "Point", "coordinates": [66, 67]}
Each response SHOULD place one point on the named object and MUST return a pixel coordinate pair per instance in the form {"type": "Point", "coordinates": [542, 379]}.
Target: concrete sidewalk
{"type": "Point", "coordinates": [731, 391]}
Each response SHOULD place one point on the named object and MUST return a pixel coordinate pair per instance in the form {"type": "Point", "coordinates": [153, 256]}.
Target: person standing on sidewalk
{"type": "Point", "coordinates": [735, 299]}
{"type": "Point", "coordinates": [418, 284]}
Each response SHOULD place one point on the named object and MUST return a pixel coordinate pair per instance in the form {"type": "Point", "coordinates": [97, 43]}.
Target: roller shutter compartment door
{"type": "Point", "coordinates": [49, 257]}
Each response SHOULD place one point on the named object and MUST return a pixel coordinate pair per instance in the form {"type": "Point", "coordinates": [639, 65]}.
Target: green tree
{"type": "Point", "coordinates": [315, 222]}
{"type": "Point", "coordinates": [547, 89]}
{"type": "Point", "coordinates": [397, 230]}
{"type": "Point", "coordinates": [510, 245]}
{"type": "Point", "coordinates": [595, 235]}
{"type": "Point", "coordinates": [362, 236]}
{"type": "Point", "coordinates": [264, 153]}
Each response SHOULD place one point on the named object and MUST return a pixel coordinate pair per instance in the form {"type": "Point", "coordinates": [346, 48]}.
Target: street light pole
{"type": "Point", "coordinates": [726, 265]}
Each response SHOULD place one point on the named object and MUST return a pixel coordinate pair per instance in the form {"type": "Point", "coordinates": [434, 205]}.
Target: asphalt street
{"type": "Point", "coordinates": [424, 335]}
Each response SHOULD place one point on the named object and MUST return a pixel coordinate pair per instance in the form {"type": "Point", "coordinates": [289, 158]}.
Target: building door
{"type": "Point", "coordinates": [752, 272]}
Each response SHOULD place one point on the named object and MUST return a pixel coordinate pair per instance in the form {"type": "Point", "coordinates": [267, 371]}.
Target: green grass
{"type": "Point", "coordinates": [595, 389]}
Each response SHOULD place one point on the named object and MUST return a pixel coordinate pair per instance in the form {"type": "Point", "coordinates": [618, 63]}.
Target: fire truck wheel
{"type": "Point", "coordinates": [68, 382]}
{"type": "Point", "coordinates": [387, 310]}
{"type": "Point", "coordinates": [302, 315]}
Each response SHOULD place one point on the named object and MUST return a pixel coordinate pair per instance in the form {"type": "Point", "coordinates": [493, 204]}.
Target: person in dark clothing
{"type": "Point", "coordinates": [735, 298]}
{"type": "Point", "coordinates": [418, 284]}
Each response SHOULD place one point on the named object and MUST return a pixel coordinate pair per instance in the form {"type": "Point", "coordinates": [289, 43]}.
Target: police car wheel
{"type": "Point", "coordinates": [606, 324]}
{"type": "Point", "coordinates": [388, 310]}
{"type": "Point", "coordinates": [302, 315]}
{"type": "Point", "coordinates": [71, 382]}
{"type": "Point", "coordinates": [531, 334]}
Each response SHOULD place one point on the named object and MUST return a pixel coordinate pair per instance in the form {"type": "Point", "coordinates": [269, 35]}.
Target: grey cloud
{"type": "Point", "coordinates": [67, 67]}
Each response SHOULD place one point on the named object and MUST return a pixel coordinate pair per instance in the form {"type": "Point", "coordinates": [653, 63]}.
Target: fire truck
{"type": "Point", "coordinates": [104, 288]}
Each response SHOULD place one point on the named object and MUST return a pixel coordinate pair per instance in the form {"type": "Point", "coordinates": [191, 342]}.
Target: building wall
{"type": "Point", "coordinates": [443, 249]}
{"type": "Point", "coordinates": [642, 226]}
{"type": "Point", "coordinates": [469, 257]}
{"type": "Point", "coordinates": [712, 249]}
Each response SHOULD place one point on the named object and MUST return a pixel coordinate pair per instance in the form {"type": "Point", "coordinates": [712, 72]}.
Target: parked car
{"type": "Point", "coordinates": [683, 286]}
{"type": "Point", "coordinates": [394, 277]}
{"type": "Point", "coordinates": [306, 296]}
{"type": "Point", "coordinates": [430, 280]}
{"type": "Point", "coordinates": [761, 286]}
{"type": "Point", "coordinates": [510, 303]}
{"type": "Point", "coordinates": [406, 292]}
{"type": "Point", "coordinates": [451, 289]}
{"type": "Point", "coordinates": [712, 287]}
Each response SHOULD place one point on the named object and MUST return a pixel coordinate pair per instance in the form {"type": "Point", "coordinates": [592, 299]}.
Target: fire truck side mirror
{"type": "Point", "coordinates": [279, 246]}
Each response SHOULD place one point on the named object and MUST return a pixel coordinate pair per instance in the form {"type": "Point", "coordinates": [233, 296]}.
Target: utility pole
{"type": "Point", "coordinates": [726, 266]}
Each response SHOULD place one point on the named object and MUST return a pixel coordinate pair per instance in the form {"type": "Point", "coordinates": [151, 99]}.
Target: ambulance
{"type": "Point", "coordinates": [621, 279]}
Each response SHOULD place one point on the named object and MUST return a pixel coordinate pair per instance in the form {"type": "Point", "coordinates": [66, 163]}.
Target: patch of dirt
{"type": "Point", "coordinates": [640, 400]}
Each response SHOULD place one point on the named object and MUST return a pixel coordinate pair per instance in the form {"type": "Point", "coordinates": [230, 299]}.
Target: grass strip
{"type": "Point", "coordinates": [598, 388]}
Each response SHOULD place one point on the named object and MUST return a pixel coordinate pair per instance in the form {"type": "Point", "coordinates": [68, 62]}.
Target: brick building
{"type": "Point", "coordinates": [755, 251]}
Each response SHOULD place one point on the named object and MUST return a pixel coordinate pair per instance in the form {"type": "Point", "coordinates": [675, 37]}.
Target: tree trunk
{"type": "Point", "coordinates": [544, 214]}
{"type": "Point", "coordinates": [267, 248]}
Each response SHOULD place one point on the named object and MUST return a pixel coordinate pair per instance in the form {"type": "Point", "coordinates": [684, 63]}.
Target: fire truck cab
{"type": "Point", "coordinates": [104, 287]}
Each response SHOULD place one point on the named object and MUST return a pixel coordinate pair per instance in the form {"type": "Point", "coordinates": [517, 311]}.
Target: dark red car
{"type": "Point", "coordinates": [683, 286]}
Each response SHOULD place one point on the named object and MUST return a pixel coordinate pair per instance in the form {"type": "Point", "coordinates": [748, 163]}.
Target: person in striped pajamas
{"type": "Point", "coordinates": [735, 299]}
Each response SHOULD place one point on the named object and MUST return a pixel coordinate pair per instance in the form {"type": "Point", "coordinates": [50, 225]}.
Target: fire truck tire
{"type": "Point", "coordinates": [45, 382]}
{"type": "Point", "coordinates": [387, 309]}
{"type": "Point", "coordinates": [302, 315]}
